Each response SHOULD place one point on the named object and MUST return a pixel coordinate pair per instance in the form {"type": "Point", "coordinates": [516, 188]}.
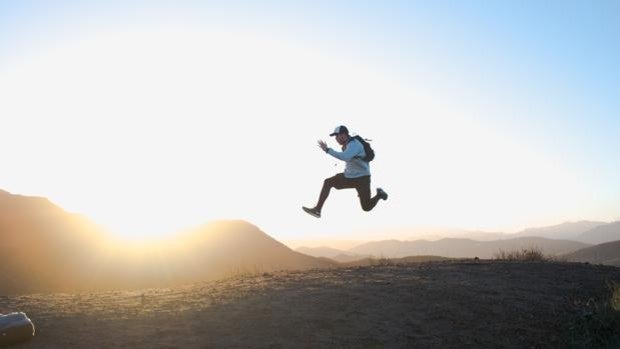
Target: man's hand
{"type": "Point", "coordinates": [322, 145]}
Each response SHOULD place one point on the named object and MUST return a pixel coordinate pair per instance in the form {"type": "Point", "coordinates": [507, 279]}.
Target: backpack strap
{"type": "Point", "coordinates": [359, 139]}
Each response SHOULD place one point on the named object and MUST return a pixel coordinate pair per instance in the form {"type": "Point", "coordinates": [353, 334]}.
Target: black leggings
{"type": "Point", "coordinates": [339, 181]}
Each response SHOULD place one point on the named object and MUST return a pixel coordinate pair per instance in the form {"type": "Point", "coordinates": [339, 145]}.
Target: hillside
{"type": "Point", "coordinates": [241, 247]}
{"type": "Point", "coordinates": [428, 305]}
{"type": "Point", "coordinates": [607, 253]}
{"type": "Point", "coordinates": [47, 249]}
{"type": "Point", "coordinates": [463, 248]}
{"type": "Point", "coordinates": [601, 234]}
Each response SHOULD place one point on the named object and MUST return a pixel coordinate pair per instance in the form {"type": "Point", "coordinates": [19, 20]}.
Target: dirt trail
{"type": "Point", "coordinates": [441, 304]}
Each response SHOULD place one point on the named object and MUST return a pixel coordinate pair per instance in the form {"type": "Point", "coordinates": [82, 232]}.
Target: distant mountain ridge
{"type": "Point", "coordinates": [554, 240]}
{"type": "Point", "coordinates": [463, 248]}
{"type": "Point", "coordinates": [322, 251]}
{"type": "Point", "coordinates": [459, 234]}
{"type": "Point", "coordinates": [46, 249]}
{"type": "Point", "coordinates": [565, 231]}
{"type": "Point", "coordinates": [448, 248]}
{"type": "Point", "coordinates": [601, 234]}
{"type": "Point", "coordinates": [331, 253]}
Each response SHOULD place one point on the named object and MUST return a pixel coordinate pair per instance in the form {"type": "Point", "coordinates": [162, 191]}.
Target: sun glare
{"type": "Point", "coordinates": [142, 121]}
{"type": "Point", "coordinates": [149, 130]}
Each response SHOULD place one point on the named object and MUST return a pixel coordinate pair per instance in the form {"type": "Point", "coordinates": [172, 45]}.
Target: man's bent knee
{"type": "Point", "coordinates": [367, 207]}
{"type": "Point", "coordinates": [328, 182]}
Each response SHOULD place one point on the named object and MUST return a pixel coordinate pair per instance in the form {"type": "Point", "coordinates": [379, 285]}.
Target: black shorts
{"type": "Point", "coordinates": [361, 184]}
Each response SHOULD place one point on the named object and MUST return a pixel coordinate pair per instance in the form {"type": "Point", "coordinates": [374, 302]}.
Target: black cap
{"type": "Point", "coordinates": [340, 130]}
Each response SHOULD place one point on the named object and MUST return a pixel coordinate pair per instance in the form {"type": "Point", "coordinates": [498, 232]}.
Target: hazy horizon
{"type": "Point", "coordinates": [53, 250]}
{"type": "Point", "coordinates": [340, 241]}
{"type": "Point", "coordinates": [149, 118]}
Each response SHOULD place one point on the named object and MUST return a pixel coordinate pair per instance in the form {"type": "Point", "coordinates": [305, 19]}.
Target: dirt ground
{"type": "Point", "coordinates": [486, 304]}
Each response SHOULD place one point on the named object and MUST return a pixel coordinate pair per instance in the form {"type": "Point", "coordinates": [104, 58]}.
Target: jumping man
{"type": "Point", "coordinates": [356, 172]}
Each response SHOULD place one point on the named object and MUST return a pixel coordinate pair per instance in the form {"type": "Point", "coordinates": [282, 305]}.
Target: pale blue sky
{"type": "Point", "coordinates": [524, 78]}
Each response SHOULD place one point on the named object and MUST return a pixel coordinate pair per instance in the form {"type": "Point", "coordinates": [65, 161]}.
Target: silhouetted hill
{"type": "Point", "coordinates": [214, 250]}
{"type": "Point", "coordinates": [601, 234]}
{"type": "Point", "coordinates": [241, 247]}
{"type": "Point", "coordinates": [564, 231]}
{"type": "Point", "coordinates": [607, 253]}
{"type": "Point", "coordinates": [463, 248]}
{"type": "Point", "coordinates": [45, 248]}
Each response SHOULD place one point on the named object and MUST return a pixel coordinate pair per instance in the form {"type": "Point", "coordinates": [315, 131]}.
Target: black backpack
{"type": "Point", "coordinates": [370, 153]}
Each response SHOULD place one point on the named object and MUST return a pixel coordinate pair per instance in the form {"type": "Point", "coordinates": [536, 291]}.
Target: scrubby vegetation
{"type": "Point", "coordinates": [531, 254]}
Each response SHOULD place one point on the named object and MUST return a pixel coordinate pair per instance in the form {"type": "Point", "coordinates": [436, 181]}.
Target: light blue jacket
{"type": "Point", "coordinates": [352, 154]}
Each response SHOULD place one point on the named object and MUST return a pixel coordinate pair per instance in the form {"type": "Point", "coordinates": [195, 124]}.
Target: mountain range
{"type": "Point", "coordinates": [553, 240]}
{"type": "Point", "coordinates": [463, 248]}
{"type": "Point", "coordinates": [46, 249]}
{"type": "Point", "coordinates": [581, 231]}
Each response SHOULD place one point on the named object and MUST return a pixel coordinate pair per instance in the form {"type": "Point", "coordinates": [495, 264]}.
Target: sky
{"type": "Point", "coordinates": [154, 116]}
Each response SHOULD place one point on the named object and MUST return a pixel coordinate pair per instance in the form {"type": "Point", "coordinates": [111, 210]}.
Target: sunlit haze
{"type": "Point", "coordinates": [154, 117]}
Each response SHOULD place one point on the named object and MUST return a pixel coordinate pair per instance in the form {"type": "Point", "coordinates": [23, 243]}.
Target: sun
{"type": "Point", "coordinates": [155, 128]}
{"type": "Point", "coordinates": [134, 125]}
